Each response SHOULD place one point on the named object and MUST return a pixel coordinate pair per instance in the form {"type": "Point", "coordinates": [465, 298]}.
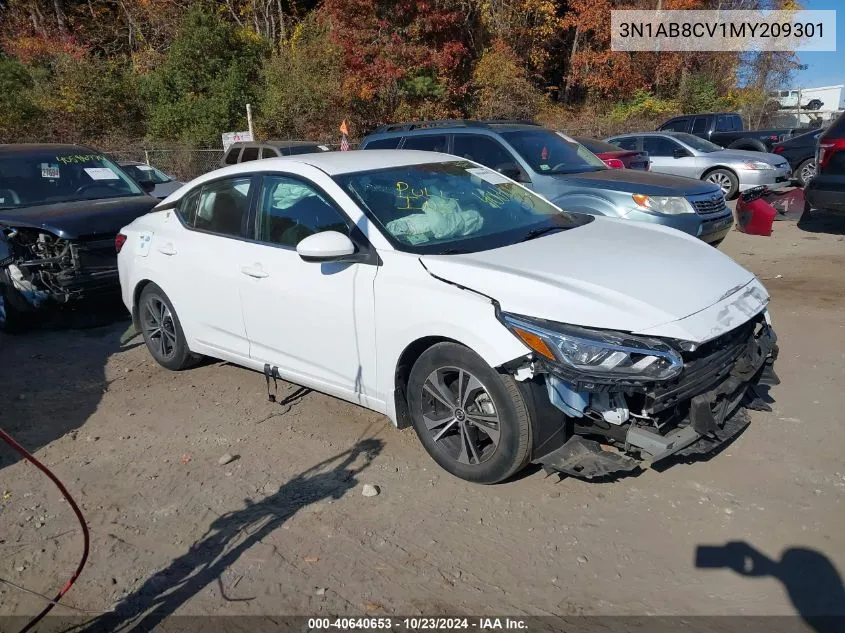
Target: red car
{"type": "Point", "coordinates": [614, 157]}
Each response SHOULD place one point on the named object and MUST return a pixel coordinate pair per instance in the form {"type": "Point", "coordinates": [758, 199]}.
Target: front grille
{"type": "Point", "coordinates": [709, 206]}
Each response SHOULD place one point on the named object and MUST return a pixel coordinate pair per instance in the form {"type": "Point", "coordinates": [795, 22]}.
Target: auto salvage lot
{"type": "Point", "coordinates": [283, 527]}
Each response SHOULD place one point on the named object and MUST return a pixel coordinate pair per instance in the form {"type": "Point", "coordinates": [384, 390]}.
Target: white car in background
{"type": "Point", "coordinates": [445, 295]}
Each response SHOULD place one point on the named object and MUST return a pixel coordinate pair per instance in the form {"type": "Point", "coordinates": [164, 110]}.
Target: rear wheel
{"type": "Point", "coordinates": [726, 180]}
{"type": "Point", "coordinates": [472, 421]}
{"type": "Point", "coordinates": [162, 331]}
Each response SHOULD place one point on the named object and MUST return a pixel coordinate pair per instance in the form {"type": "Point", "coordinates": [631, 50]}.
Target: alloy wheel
{"type": "Point", "coordinates": [158, 325]}
{"type": "Point", "coordinates": [459, 413]}
{"type": "Point", "coordinates": [721, 180]}
{"type": "Point", "coordinates": [808, 172]}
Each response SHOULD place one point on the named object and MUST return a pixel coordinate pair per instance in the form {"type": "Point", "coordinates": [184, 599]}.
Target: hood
{"type": "Point", "coordinates": [610, 274]}
{"type": "Point", "coordinates": [637, 181]}
{"type": "Point", "coordinates": [72, 220]}
{"type": "Point", "coordinates": [744, 154]}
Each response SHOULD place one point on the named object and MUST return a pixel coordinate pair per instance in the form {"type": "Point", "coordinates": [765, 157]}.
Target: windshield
{"type": "Point", "coordinates": [146, 172]}
{"type": "Point", "coordinates": [453, 207]}
{"type": "Point", "coordinates": [550, 153]}
{"type": "Point", "coordinates": [698, 144]}
{"type": "Point", "coordinates": [61, 176]}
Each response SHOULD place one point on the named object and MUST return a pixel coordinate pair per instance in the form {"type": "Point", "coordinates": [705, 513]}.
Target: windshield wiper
{"type": "Point", "coordinates": [541, 231]}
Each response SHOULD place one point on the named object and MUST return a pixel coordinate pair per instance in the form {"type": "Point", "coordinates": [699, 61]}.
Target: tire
{"type": "Point", "coordinates": [162, 330]}
{"type": "Point", "coordinates": [726, 180]}
{"type": "Point", "coordinates": [805, 171]}
{"type": "Point", "coordinates": [12, 320]}
{"type": "Point", "coordinates": [461, 439]}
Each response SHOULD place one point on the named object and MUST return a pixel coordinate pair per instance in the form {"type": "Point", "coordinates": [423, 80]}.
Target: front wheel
{"type": "Point", "coordinates": [726, 180]}
{"type": "Point", "coordinates": [162, 331]}
{"type": "Point", "coordinates": [472, 421]}
{"type": "Point", "coordinates": [806, 171]}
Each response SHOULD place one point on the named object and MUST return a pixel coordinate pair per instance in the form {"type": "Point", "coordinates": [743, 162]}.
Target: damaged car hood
{"type": "Point", "coordinates": [613, 274]}
{"type": "Point", "coordinates": [71, 220]}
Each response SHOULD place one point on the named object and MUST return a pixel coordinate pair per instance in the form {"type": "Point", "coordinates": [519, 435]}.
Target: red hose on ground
{"type": "Point", "coordinates": [31, 458]}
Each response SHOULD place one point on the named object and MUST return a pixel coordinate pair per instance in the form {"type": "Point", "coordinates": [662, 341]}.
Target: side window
{"type": "Point", "coordinates": [223, 206]}
{"type": "Point", "coordinates": [629, 142]}
{"type": "Point", "coordinates": [678, 125]}
{"type": "Point", "coordinates": [384, 143]}
{"type": "Point", "coordinates": [291, 210]}
{"type": "Point", "coordinates": [187, 210]}
{"type": "Point", "coordinates": [232, 155]}
{"type": "Point", "coordinates": [249, 153]}
{"type": "Point", "coordinates": [484, 150]}
{"type": "Point", "coordinates": [659, 146]}
{"type": "Point", "coordinates": [737, 122]}
{"type": "Point", "coordinates": [268, 152]}
{"type": "Point", "coordinates": [428, 142]}
{"type": "Point", "coordinates": [724, 123]}
{"type": "Point", "coordinates": [699, 125]}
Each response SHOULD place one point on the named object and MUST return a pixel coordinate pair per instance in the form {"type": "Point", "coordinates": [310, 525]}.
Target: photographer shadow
{"type": "Point", "coordinates": [809, 577]}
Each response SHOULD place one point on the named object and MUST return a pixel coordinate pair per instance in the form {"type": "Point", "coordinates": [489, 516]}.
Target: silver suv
{"type": "Point", "coordinates": [567, 173]}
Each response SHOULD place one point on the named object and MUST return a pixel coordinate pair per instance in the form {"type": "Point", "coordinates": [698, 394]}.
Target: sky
{"type": "Point", "coordinates": [824, 69]}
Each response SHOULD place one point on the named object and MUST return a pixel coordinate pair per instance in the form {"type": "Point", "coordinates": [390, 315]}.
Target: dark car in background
{"type": "Point", "coordinates": [245, 151]}
{"type": "Point", "coordinates": [800, 152]}
{"type": "Point", "coordinates": [827, 189]}
{"type": "Point", "coordinates": [567, 173]}
{"type": "Point", "coordinates": [726, 129]}
{"type": "Point", "coordinates": [615, 157]}
{"type": "Point", "coordinates": [163, 184]}
{"type": "Point", "coordinates": [61, 208]}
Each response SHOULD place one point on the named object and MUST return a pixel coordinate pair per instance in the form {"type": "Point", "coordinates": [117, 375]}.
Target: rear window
{"type": "Point", "coordinates": [678, 125]}
{"type": "Point", "coordinates": [384, 143]}
{"type": "Point", "coordinates": [596, 146]}
{"type": "Point", "coordinates": [426, 143]}
{"type": "Point", "coordinates": [837, 128]}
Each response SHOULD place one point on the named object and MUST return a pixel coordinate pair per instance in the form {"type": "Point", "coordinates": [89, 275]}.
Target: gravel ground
{"type": "Point", "coordinates": [283, 527]}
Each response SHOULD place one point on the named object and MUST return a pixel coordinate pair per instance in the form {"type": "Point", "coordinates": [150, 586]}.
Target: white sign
{"type": "Point", "coordinates": [235, 137]}
{"type": "Point", "coordinates": [101, 173]}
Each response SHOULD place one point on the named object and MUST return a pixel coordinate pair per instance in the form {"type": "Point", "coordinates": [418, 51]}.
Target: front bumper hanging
{"type": "Point", "coordinates": [713, 417]}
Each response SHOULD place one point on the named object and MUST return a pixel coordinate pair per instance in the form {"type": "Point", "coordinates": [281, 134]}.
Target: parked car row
{"type": "Point", "coordinates": [582, 332]}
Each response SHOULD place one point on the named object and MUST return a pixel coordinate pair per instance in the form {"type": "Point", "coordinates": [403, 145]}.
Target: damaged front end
{"type": "Point", "coordinates": [37, 268]}
{"type": "Point", "coordinates": [606, 403]}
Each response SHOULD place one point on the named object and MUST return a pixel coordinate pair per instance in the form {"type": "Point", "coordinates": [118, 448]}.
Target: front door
{"type": "Point", "coordinates": [669, 157]}
{"type": "Point", "coordinates": [314, 321]}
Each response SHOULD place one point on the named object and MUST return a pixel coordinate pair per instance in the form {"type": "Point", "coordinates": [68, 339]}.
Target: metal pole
{"type": "Point", "coordinates": [249, 119]}
{"type": "Point", "coordinates": [147, 156]}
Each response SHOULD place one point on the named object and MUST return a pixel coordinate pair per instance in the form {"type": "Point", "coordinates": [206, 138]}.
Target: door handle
{"type": "Point", "coordinates": [254, 271]}
{"type": "Point", "coordinates": [167, 249]}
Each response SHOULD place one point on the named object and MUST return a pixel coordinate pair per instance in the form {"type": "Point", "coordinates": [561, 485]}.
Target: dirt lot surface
{"type": "Point", "coordinates": [284, 527]}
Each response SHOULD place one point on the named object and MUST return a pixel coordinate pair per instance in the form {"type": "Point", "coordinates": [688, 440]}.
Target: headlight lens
{"type": "Point", "coordinates": [756, 165]}
{"type": "Point", "coordinates": [596, 356]}
{"type": "Point", "coordinates": [667, 205]}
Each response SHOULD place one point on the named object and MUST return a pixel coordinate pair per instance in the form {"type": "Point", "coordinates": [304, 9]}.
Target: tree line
{"type": "Point", "coordinates": [179, 72]}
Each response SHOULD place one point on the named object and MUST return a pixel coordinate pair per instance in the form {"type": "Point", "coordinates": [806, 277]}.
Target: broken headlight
{"type": "Point", "coordinates": [600, 356]}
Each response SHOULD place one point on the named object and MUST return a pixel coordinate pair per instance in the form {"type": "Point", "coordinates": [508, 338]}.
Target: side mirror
{"type": "Point", "coordinates": [512, 171]}
{"type": "Point", "coordinates": [680, 152]}
{"type": "Point", "coordinates": [327, 246]}
{"type": "Point", "coordinates": [147, 185]}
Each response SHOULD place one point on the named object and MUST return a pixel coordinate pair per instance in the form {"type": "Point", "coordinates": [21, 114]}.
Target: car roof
{"type": "Point", "coordinates": [336, 163]}
{"type": "Point", "coordinates": [453, 126]}
{"type": "Point", "coordinates": [277, 143]}
{"type": "Point", "coordinates": [24, 148]}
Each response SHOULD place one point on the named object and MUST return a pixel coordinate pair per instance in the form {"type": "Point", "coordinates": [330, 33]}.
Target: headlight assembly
{"type": "Point", "coordinates": [667, 205]}
{"type": "Point", "coordinates": [756, 165]}
{"type": "Point", "coordinates": [583, 355]}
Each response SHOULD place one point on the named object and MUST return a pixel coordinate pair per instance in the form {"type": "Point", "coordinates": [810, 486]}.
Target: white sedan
{"type": "Point", "coordinates": [444, 295]}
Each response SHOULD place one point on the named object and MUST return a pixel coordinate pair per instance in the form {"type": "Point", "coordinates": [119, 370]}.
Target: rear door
{"type": "Point", "coordinates": [203, 263]}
